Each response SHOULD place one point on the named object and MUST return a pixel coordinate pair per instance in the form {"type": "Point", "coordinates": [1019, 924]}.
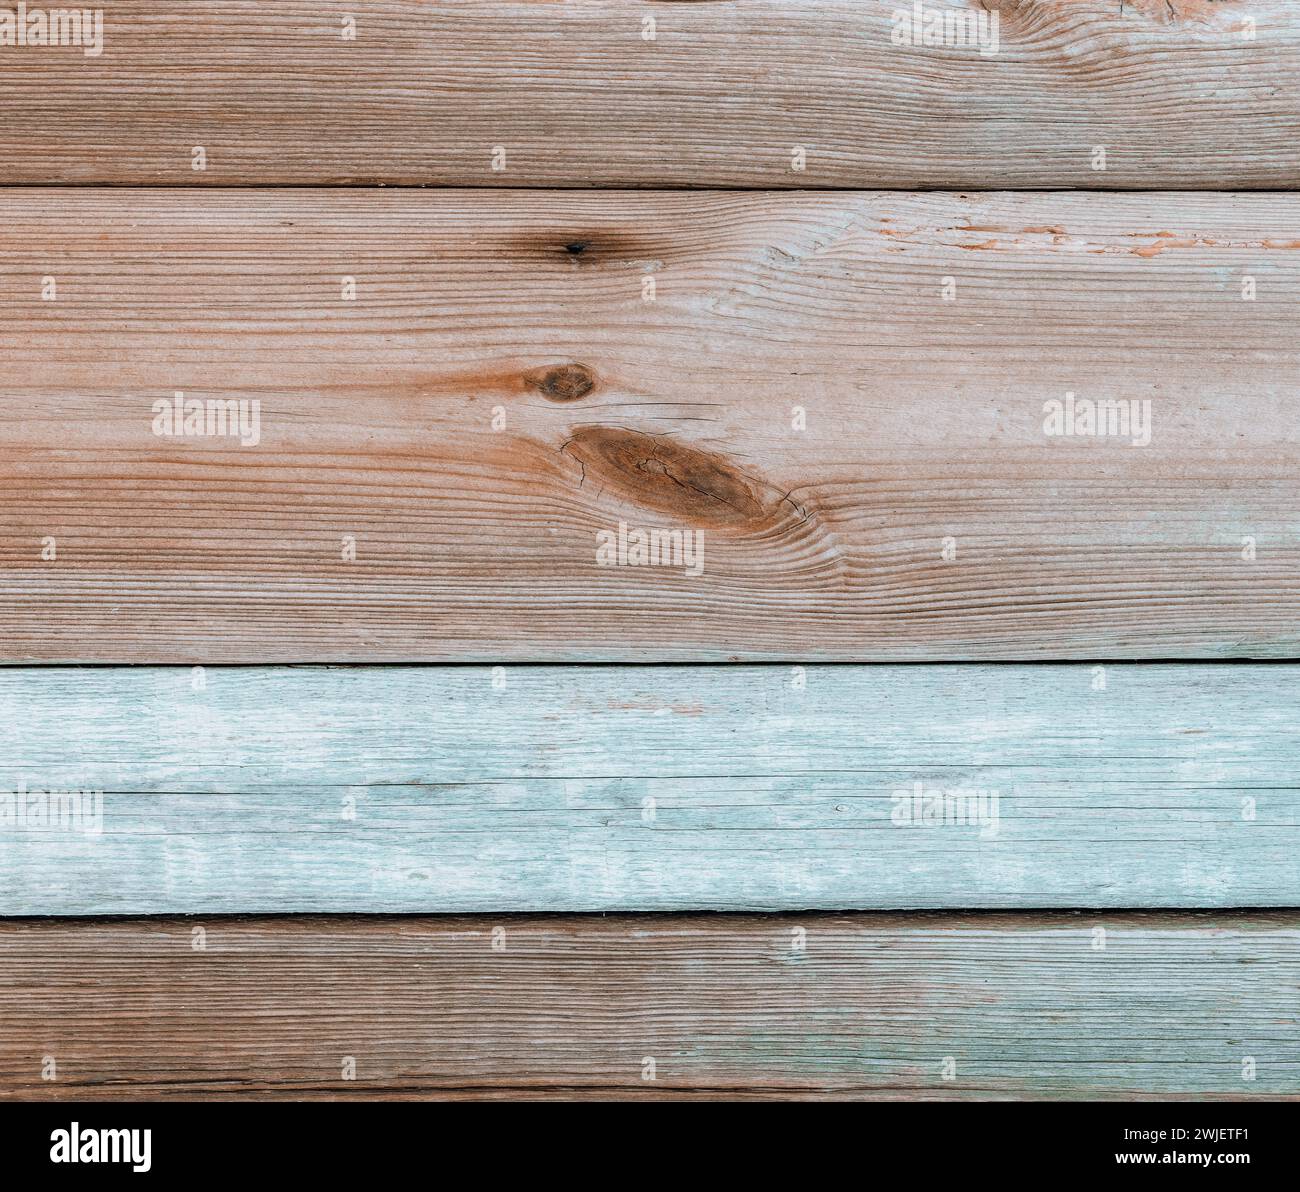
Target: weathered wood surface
{"type": "Point", "coordinates": [1180, 93]}
{"type": "Point", "coordinates": [922, 512]}
{"type": "Point", "coordinates": [664, 788]}
{"type": "Point", "coordinates": [1127, 1006]}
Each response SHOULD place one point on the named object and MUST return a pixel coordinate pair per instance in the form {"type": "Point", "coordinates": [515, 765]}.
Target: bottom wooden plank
{"type": "Point", "coordinates": [924, 1006]}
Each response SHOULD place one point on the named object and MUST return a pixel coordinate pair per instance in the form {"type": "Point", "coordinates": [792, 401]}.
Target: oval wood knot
{"type": "Point", "coordinates": [566, 382]}
{"type": "Point", "coordinates": [672, 477]}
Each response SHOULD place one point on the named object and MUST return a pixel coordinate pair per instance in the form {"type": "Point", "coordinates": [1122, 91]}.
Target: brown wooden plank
{"type": "Point", "coordinates": [924, 437]}
{"type": "Point", "coordinates": [1179, 93]}
{"type": "Point", "coordinates": [1131, 1006]}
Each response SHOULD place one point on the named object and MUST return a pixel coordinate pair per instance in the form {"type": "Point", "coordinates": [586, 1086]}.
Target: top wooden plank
{"type": "Point", "coordinates": [749, 93]}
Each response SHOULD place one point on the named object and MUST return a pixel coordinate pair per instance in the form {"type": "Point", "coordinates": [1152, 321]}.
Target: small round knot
{"type": "Point", "coordinates": [566, 382]}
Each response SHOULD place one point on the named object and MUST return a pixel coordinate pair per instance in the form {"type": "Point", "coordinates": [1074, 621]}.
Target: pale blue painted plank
{"type": "Point", "coordinates": [663, 788]}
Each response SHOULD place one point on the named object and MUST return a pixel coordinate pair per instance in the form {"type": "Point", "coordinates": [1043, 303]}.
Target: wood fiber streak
{"type": "Point", "coordinates": [1180, 93]}
{"type": "Point", "coordinates": [868, 1008]}
{"type": "Point", "coordinates": [500, 392]}
{"type": "Point", "coordinates": [421, 789]}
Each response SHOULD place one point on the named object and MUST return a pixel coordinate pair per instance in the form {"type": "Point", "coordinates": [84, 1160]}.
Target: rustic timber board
{"type": "Point", "coordinates": [753, 93]}
{"type": "Point", "coordinates": [469, 402]}
{"type": "Point", "coordinates": [1128, 1006]}
{"type": "Point", "coordinates": [430, 789]}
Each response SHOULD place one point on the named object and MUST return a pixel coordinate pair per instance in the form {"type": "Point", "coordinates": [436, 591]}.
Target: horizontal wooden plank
{"type": "Point", "coordinates": [664, 788]}
{"type": "Point", "coordinates": [758, 93]}
{"type": "Point", "coordinates": [1129, 1006]}
{"type": "Point", "coordinates": [443, 460]}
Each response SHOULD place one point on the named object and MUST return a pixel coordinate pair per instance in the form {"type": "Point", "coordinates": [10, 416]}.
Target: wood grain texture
{"type": "Point", "coordinates": [869, 1008]}
{"type": "Point", "coordinates": [1180, 93]}
{"type": "Point", "coordinates": [921, 513]}
{"type": "Point", "coordinates": [666, 788]}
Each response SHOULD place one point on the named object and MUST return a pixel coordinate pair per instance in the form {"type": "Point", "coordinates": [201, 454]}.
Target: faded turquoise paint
{"type": "Point", "coordinates": [664, 788]}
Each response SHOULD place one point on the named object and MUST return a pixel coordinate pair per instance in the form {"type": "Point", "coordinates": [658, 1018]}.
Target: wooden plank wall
{"type": "Point", "coordinates": [498, 286]}
{"type": "Point", "coordinates": [459, 393]}
{"type": "Point", "coordinates": [860, 1007]}
{"type": "Point", "coordinates": [428, 789]}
